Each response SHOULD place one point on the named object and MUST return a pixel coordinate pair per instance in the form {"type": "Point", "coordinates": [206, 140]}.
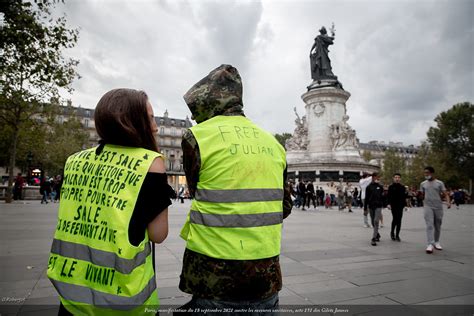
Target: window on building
{"type": "Point", "coordinates": [173, 142]}
{"type": "Point", "coordinates": [86, 123]}
{"type": "Point", "coordinates": [173, 131]}
{"type": "Point", "coordinates": [183, 123]}
{"type": "Point", "coordinates": [88, 113]}
{"type": "Point", "coordinates": [162, 130]}
{"type": "Point", "coordinates": [172, 122]}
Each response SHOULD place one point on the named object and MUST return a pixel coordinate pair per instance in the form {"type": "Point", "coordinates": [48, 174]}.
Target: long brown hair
{"type": "Point", "coordinates": [121, 118]}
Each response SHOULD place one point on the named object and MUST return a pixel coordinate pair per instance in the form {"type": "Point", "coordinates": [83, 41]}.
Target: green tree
{"type": "Point", "coordinates": [64, 139]}
{"type": "Point", "coordinates": [427, 156]}
{"type": "Point", "coordinates": [282, 138]}
{"type": "Point", "coordinates": [392, 163]}
{"type": "Point", "coordinates": [453, 140]}
{"type": "Point", "coordinates": [367, 155]}
{"type": "Point", "coordinates": [32, 67]}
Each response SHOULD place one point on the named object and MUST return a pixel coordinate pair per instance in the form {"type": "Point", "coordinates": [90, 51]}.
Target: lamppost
{"type": "Point", "coordinates": [29, 159]}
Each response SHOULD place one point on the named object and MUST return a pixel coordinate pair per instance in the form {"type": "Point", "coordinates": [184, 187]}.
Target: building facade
{"type": "Point", "coordinates": [170, 131]}
{"type": "Point", "coordinates": [375, 150]}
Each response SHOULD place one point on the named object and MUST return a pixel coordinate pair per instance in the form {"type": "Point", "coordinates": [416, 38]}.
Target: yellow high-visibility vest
{"type": "Point", "coordinates": [92, 264]}
{"type": "Point", "coordinates": [237, 212]}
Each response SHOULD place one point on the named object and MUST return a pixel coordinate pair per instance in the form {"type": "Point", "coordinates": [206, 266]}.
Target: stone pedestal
{"type": "Point", "coordinates": [329, 144]}
{"type": "Point", "coordinates": [324, 107]}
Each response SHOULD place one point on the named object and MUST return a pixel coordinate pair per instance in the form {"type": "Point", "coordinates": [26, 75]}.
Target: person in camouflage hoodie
{"type": "Point", "coordinates": [218, 282]}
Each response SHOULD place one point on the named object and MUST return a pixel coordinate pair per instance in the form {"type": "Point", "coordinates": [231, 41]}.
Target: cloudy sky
{"type": "Point", "coordinates": [402, 61]}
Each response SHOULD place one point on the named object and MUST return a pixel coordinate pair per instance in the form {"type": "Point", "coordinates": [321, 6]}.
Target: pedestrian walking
{"type": "Point", "coordinates": [458, 198]}
{"type": "Point", "coordinates": [340, 197]}
{"type": "Point", "coordinates": [310, 195]}
{"type": "Point", "coordinates": [236, 172]}
{"type": "Point", "coordinates": [433, 189]}
{"type": "Point", "coordinates": [348, 192]}
{"type": "Point", "coordinates": [102, 260]}
{"type": "Point", "coordinates": [396, 202]}
{"type": "Point", "coordinates": [18, 187]}
{"type": "Point", "coordinates": [374, 203]}
{"type": "Point", "coordinates": [363, 184]}
{"type": "Point", "coordinates": [181, 194]}
{"type": "Point", "coordinates": [45, 190]}
{"type": "Point", "coordinates": [327, 201]}
{"type": "Point", "coordinates": [301, 191]}
{"type": "Point", "coordinates": [321, 196]}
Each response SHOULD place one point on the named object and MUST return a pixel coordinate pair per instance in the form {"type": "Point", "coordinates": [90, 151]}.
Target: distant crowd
{"type": "Point", "coordinates": [49, 187]}
{"type": "Point", "coordinates": [346, 195]}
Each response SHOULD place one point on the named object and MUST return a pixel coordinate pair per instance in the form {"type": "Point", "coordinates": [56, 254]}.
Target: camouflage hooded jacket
{"type": "Point", "coordinates": [220, 93]}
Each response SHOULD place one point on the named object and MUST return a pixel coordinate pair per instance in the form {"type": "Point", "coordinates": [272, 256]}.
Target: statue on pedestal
{"type": "Point", "coordinates": [320, 62]}
{"type": "Point", "coordinates": [299, 140]}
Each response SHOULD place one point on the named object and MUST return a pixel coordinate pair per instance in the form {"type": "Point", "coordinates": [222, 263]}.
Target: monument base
{"type": "Point", "coordinates": [325, 83]}
{"type": "Point", "coordinates": [323, 168]}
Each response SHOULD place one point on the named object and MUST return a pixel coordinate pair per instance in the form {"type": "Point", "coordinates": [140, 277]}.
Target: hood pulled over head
{"type": "Point", "coordinates": [220, 92]}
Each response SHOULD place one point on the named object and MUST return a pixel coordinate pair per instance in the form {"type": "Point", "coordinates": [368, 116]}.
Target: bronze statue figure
{"type": "Point", "coordinates": [320, 62]}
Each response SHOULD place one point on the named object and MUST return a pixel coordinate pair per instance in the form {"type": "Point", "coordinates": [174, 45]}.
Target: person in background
{"type": "Point", "coordinates": [301, 189]}
{"type": "Point", "coordinates": [396, 202]}
{"type": "Point", "coordinates": [181, 194]}
{"type": "Point", "coordinates": [18, 187]}
{"type": "Point", "coordinates": [374, 202]}
{"type": "Point", "coordinates": [355, 197]}
{"type": "Point", "coordinates": [310, 195]}
{"type": "Point", "coordinates": [363, 184]}
{"type": "Point", "coordinates": [458, 198]}
{"type": "Point", "coordinates": [327, 201]}
{"type": "Point", "coordinates": [341, 197]}
{"type": "Point", "coordinates": [321, 196]}
{"type": "Point", "coordinates": [348, 192]}
{"type": "Point", "coordinates": [58, 182]}
{"type": "Point", "coordinates": [233, 229]}
{"type": "Point", "coordinates": [433, 189]}
{"type": "Point", "coordinates": [45, 190]}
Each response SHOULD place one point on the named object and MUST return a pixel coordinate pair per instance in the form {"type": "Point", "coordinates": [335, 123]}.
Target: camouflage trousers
{"type": "Point", "coordinates": [198, 306]}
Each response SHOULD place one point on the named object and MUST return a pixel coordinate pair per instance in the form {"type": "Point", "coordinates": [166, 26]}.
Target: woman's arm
{"type": "Point", "coordinates": [158, 227]}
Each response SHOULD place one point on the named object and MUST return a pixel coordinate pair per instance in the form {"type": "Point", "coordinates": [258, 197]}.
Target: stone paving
{"type": "Point", "coordinates": [326, 259]}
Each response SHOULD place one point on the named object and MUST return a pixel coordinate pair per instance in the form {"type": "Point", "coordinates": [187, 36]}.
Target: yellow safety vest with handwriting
{"type": "Point", "coordinates": [92, 264]}
{"type": "Point", "coordinates": [237, 212]}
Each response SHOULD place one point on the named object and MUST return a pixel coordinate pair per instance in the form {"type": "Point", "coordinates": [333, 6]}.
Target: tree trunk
{"type": "Point", "coordinates": [9, 195]}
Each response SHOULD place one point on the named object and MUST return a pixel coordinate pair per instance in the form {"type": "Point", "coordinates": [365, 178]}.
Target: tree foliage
{"type": "Point", "coordinates": [282, 138]}
{"type": "Point", "coordinates": [453, 138]}
{"type": "Point", "coordinates": [32, 68]}
{"type": "Point", "coordinates": [367, 155]}
{"type": "Point", "coordinates": [393, 163]}
{"type": "Point", "coordinates": [64, 139]}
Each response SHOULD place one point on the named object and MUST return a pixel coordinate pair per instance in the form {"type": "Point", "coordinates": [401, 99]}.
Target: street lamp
{"type": "Point", "coordinates": [29, 159]}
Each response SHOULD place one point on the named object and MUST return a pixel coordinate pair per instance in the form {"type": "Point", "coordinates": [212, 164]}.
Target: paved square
{"type": "Point", "coordinates": [326, 259]}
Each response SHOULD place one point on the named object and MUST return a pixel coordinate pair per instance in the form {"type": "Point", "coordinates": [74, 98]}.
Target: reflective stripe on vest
{"type": "Point", "coordinates": [83, 294]}
{"type": "Point", "coordinates": [239, 195]}
{"type": "Point", "coordinates": [99, 257]}
{"type": "Point", "coordinates": [238, 207]}
{"type": "Point", "coordinates": [236, 220]}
